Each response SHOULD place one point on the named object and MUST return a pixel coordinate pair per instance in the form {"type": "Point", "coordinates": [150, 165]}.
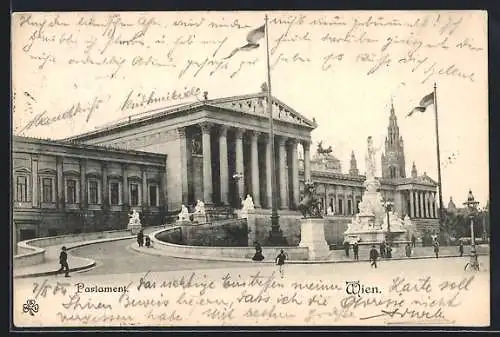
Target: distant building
{"type": "Point", "coordinates": [414, 196]}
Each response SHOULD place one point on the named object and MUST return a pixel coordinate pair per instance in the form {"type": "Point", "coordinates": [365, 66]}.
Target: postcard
{"type": "Point", "coordinates": [298, 168]}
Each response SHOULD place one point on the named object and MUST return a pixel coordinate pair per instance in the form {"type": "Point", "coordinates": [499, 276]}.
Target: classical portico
{"type": "Point", "coordinates": [219, 149]}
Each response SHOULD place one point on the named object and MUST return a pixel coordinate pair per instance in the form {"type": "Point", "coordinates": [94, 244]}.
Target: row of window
{"type": "Point", "coordinates": [93, 192]}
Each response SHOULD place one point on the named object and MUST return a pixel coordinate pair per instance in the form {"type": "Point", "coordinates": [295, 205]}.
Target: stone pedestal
{"type": "Point", "coordinates": [199, 218]}
{"type": "Point", "coordinates": [134, 228]}
{"type": "Point", "coordinates": [183, 223]}
{"type": "Point", "coordinates": [312, 233]}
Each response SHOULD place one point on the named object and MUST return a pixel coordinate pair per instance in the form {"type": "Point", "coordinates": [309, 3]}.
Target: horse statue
{"type": "Point", "coordinates": [309, 206]}
{"type": "Point", "coordinates": [322, 150]}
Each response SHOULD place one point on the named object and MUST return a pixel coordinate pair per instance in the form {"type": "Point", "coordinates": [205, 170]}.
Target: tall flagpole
{"type": "Point", "coordinates": [275, 236]}
{"type": "Point", "coordinates": [438, 158]}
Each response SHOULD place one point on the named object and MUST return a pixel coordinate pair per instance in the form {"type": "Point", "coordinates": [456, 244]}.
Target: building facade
{"type": "Point", "coordinates": [218, 149]}
{"type": "Point", "coordinates": [61, 187]}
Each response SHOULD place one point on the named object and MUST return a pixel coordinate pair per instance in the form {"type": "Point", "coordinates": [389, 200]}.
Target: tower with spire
{"type": "Point", "coordinates": [353, 170]}
{"type": "Point", "coordinates": [393, 158]}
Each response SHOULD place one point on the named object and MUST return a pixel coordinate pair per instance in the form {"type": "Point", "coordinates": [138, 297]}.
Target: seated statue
{"type": "Point", "coordinates": [200, 207]}
{"type": "Point", "coordinates": [247, 204]}
{"type": "Point", "coordinates": [183, 214]}
{"type": "Point", "coordinates": [134, 217]}
{"type": "Point", "coordinates": [329, 211]}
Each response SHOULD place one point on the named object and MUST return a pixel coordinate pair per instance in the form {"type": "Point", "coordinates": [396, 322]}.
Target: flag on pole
{"type": "Point", "coordinates": [424, 103]}
{"type": "Point", "coordinates": [252, 38]}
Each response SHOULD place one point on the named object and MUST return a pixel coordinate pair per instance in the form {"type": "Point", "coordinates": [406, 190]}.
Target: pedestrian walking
{"type": "Point", "coordinates": [280, 261]}
{"type": "Point", "coordinates": [382, 249]}
{"type": "Point", "coordinates": [140, 238]}
{"type": "Point", "coordinates": [355, 250]}
{"type": "Point", "coordinates": [413, 240]}
{"type": "Point", "coordinates": [461, 248]}
{"type": "Point", "coordinates": [346, 248]}
{"type": "Point", "coordinates": [436, 249]}
{"type": "Point", "coordinates": [373, 257]}
{"type": "Point", "coordinates": [63, 261]}
{"type": "Point", "coordinates": [408, 250]}
{"type": "Point", "coordinates": [388, 251]}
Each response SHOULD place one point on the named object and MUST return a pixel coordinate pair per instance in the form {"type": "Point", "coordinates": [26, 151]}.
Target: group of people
{"type": "Point", "coordinates": [143, 239]}
{"type": "Point", "coordinates": [280, 258]}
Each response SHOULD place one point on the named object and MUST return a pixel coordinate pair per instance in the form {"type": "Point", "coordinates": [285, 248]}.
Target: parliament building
{"type": "Point", "coordinates": [215, 150]}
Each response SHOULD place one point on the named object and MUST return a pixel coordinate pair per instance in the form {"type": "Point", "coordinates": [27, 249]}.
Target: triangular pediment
{"type": "Point", "coordinates": [257, 105]}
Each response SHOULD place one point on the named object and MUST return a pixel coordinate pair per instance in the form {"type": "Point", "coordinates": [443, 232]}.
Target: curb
{"type": "Point", "coordinates": [90, 264]}
{"type": "Point", "coordinates": [155, 252]}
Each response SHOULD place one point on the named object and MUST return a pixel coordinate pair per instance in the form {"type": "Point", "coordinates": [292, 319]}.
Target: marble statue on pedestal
{"type": "Point", "coordinates": [247, 204]}
{"type": "Point", "coordinates": [134, 217]}
{"type": "Point", "coordinates": [183, 214]}
{"type": "Point", "coordinates": [199, 208]}
{"type": "Point", "coordinates": [134, 222]}
{"type": "Point", "coordinates": [329, 210]}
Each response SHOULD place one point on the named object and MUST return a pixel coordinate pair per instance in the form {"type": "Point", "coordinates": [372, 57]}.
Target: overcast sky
{"type": "Point", "coordinates": [341, 68]}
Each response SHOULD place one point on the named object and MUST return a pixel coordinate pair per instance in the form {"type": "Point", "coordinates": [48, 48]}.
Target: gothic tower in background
{"type": "Point", "coordinates": [393, 158]}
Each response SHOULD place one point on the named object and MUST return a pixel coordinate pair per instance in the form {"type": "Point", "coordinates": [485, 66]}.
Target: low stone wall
{"type": "Point", "coordinates": [218, 253]}
{"type": "Point", "coordinates": [224, 233]}
{"type": "Point", "coordinates": [259, 225]}
{"type": "Point", "coordinates": [32, 252]}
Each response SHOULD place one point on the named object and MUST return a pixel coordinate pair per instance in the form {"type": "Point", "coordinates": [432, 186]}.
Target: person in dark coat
{"type": "Point", "coordinates": [148, 241]}
{"type": "Point", "coordinates": [408, 250]}
{"type": "Point", "coordinates": [373, 257]}
{"type": "Point", "coordinates": [413, 240]}
{"type": "Point", "coordinates": [140, 238]}
{"type": "Point", "coordinates": [436, 249]}
{"type": "Point", "coordinates": [346, 248]}
{"type": "Point", "coordinates": [461, 248]}
{"type": "Point", "coordinates": [382, 249]}
{"type": "Point", "coordinates": [280, 261]}
{"type": "Point", "coordinates": [63, 261]}
{"type": "Point", "coordinates": [388, 251]}
{"type": "Point", "coordinates": [258, 253]}
{"type": "Point", "coordinates": [355, 250]}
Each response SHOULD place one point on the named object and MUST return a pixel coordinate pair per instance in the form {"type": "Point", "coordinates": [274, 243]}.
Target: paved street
{"type": "Point", "coordinates": [117, 257]}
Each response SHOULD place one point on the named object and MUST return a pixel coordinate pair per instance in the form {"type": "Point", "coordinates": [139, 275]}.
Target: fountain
{"type": "Point", "coordinates": [373, 225]}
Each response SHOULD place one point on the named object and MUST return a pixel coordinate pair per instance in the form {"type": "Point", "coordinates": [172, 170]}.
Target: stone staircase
{"type": "Point", "coordinates": [422, 224]}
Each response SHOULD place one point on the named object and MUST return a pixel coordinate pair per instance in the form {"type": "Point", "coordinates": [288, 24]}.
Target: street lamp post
{"type": "Point", "coordinates": [484, 211]}
{"type": "Point", "coordinates": [471, 206]}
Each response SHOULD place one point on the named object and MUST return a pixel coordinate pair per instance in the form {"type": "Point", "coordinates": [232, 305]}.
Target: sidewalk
{"type": "Point", "coordinates": [335, 256]}
{"type": "Point", "coordinates": [76, 263]}
{"type": "Point", "coordinates": [51, 264]}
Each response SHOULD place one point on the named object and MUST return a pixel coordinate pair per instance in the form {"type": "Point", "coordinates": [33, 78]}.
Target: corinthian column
{"type": "Point", "coordinates": [255, 169]}
{"type": "Point", "coordinates": [295, 173]}
{"type": "Point", "coordinates": [239, 163]}
{"type": "Point", "coordinates": [422, 215]}
{"type": "Point", "coordinates": [307, 165]}
{"type": "Point", "coordinates": [207, 162]}
{"type": "Point", "coordinates": [283, 173]}
{"type": "Point", "coordinates": [412, 205]}
{"type": "Point", "coordinates": [223, 164]}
